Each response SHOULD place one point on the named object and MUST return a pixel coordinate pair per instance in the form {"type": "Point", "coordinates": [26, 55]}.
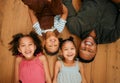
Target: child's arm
{"type": "Point", "coordinates": [56, 71]}
{"type": "Point", "coordinates": [65, 12]}
{"type": "Point", "coordinates": [46, 68]}
{"type": "Point", "coordinates": [60, 20]}
{"type": "Point", "coordinates": [82, 72]}
{"type": "Point", "coordinates": [17, 62]}
{"type": "Point", "coordinates": [35, 22]}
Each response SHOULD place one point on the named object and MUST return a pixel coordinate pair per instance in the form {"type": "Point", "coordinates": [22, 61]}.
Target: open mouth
{"type": "Point", "coordinates": [27, 52]}
{"type": "Point", "coordinates": [88, 43]}
{"type": "Point", "coordinates": [69, 55]}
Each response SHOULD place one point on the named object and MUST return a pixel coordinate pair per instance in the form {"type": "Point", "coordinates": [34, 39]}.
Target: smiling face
{"type": "Point", "coordinates": [88, 48]}
{"type": "Point", "coordinates": [68, 50]}
{"type": "Point", "coordinates": [51, 42]}
{"type": "Point", "coordinates": [27, 47]}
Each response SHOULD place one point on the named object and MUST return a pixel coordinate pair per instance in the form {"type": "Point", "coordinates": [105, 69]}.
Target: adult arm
{"type": "Point", "coordinates": [82, 72]}
{"type": "Point", "coordinates": [108, 30]}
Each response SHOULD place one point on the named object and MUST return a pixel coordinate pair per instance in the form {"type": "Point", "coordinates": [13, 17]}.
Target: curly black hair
{"type": "Point", "coordinates": [14, 44]}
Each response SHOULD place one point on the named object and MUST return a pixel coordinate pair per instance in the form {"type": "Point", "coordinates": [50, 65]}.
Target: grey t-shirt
{"type": "Point", "coordinates": [102, 17]}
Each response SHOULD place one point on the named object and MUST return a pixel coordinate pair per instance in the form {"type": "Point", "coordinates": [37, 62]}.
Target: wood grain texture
{"type": "Point", "coordinates": [14, 18]}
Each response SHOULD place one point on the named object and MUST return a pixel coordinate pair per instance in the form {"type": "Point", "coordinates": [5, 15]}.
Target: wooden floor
{"type": "Point", "coordinates": [14, 18]}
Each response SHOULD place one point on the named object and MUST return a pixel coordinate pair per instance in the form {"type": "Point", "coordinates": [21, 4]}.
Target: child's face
{"type": "Point", "coordinates": [27, 47]}
{"type": "Point", "coordinates": [51, 42]}
{"type": "Point", "coordinates": [68, 50]}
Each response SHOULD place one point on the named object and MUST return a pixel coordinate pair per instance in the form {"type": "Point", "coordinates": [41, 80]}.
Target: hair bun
{"type": "Point", "coordinates": [70, 38]}
{"type": "Point", "coordinates": [61, 39]}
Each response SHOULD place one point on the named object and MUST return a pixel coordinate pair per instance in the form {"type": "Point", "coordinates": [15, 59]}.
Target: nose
{"type": "Point", "coordinates": [69, 51]}
{"type": "Point", "coordinates": [52, 40]}
{"type": "Point", "coordinates": [27, 47]}
{"type": "Point", "coordinates": [87, 47]}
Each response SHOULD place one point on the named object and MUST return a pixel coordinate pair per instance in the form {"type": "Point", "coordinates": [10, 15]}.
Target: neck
{"type": "Point", "coordinates": [69, 61]}
{"type": "Point", "coordinates": [31, 58]}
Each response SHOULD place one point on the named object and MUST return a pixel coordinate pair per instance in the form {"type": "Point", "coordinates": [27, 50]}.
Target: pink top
{"type": "Point", "coordinates": [31, 71]}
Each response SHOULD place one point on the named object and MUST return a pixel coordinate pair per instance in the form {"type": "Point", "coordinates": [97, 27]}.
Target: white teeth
{"type": "Point", "coordinates": [88, 43]}
{"type": "Point", "coordinates": [27, 52]}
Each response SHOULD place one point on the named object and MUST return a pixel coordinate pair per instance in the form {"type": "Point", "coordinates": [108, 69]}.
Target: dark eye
{"type": "Point", "coordinates": [83, 49]}
{"type": "Point", "coordinates": [72, 48]}
{"type": "Point", "coordinates": [30, 44]}
{"type": "Point", "coordinates": [65, 49]}
{"type": "Point", "coordinates": [50, 46]}
{"type": "Point", "coordinates": [91, 51]}
{"type": "Point", "coordinates": [55, 45]}
{"type": "Point", "coordinates": [22, 45]}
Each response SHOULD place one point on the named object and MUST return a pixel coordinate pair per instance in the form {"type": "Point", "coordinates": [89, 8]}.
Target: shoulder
{"type": "Point", "coordinates": [42, 57]}
{"type": "Point", "coordinates": [58, 63]}
{"type": "Point", "coordinates": [18, 59]}
{"type": "Point", "coordinates": [80, 64]}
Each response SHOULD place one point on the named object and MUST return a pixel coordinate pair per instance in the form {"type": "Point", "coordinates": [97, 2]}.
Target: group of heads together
{"type": "Point", "coordinates": [30, 44]}
{"type": "Point", "coordinates": [87, 49]}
